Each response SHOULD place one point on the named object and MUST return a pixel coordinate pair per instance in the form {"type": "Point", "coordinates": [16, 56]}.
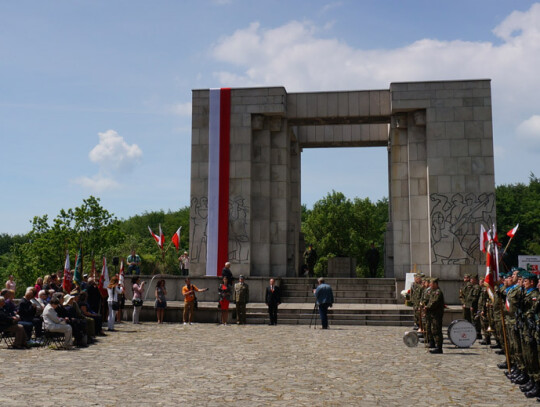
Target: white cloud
{"type": "Point", "coordinates": [529, 132]}
{"type": "Point", "coordinates": [181, 109]}
{"type": "Point", "coordinates": [97, 183]}
{"type": "Point", "coordinates": [113, 153]}
{"type": "Point", "coordinates": [296, 56]}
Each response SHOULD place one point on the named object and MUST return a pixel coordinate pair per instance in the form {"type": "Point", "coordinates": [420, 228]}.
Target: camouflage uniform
{"type": "Point", "coordinates": [435, 310]}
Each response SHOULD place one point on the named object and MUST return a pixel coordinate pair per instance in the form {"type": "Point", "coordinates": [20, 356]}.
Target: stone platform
{"type": "Point", "coordinates": [254, 365]}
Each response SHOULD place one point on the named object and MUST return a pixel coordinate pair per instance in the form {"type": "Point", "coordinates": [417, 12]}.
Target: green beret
{"type": "Point", "coordinates": [522, 273]}
{"type": "Point", "coordinates": [531, 276]}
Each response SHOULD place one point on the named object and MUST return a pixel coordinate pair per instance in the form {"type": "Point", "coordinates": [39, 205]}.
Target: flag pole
{"type": "Point", "coordinates": [506, 349]}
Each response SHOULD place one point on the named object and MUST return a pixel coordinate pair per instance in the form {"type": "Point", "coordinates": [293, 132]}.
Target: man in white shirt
{"type": "Point", "coordinates": [52, 323]}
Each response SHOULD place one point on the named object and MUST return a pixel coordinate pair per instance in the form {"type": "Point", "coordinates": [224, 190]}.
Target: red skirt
{"type": "Point", "coordinates": [224, 304]}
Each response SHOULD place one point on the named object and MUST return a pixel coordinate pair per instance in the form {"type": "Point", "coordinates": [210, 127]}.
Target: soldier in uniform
{"type": "Point", "coordinates": [426, 320]}
{"type": "Point", "coordinates": [435, 310]}
{"type": "Point", "coordinates": [416, 297]}
{"type": "Point", "coordinates": [241, 298]}
{"type": "Point", "coordinates": [471, 301]}
{"type": "Point", "coordinates": [530, 353]}
{"type": "Point", "coordinates": [485, 308]}
{"type": "Point", "coordinates": [463, 292]}
{"type": "Point", "coordinates": [512, 319]}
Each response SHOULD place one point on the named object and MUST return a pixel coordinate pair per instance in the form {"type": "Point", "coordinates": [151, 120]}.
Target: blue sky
{"type": "Point", "coordinates": [95, 95]}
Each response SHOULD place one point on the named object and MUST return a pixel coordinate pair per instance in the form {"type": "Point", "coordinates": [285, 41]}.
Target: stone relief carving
{"type": "Point", "coordinates": [455, 226]}
{"type": "Point", "coordinates": [238, 229]}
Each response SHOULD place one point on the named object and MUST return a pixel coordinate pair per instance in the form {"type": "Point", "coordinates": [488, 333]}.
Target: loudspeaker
{"type": "Point", "coordinates": [115, 261]}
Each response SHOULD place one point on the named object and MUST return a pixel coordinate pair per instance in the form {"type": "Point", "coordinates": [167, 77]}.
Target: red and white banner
{"type": "Point", "coordinates": [512, 233]}
{"type": "Point", "coordinates": [218, 180]}
{"type": "Point", "coordinates": [483, 238]}
{"type": "Point", "coordinates": [66, 282]}
{"type": "Point", "coordinates": [176, 238]}
{"type": "Point", "coordinates": [159, 239]}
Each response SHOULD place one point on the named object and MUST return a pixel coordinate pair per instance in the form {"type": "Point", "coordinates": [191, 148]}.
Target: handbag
{"type": "Point", "coordinates": [137, 302]}
{"type": "Point", "coordinates": [115, 305]}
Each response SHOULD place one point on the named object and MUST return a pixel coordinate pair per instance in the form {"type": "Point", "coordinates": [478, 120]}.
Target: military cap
{"type": "Point", "coordinates": [419, 274]}
{"type": "Point", "coordinates": [530, 276]}
{"type": "Point", "coordinates": [435, 280]}
{"type": "Point", "coordinates": [474, 276]}
{"type": "Point", "coordinates": [466, 275]}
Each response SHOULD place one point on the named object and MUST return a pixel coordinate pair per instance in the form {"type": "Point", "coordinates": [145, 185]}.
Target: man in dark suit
{"type": "Point", "coordinates": [273, 299]}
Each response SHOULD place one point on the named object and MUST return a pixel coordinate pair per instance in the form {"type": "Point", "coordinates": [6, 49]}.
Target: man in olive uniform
{"type": "Point", "coordinates": [498, 303]}
{"type": "Point", "coordinates": [435, 309]}
{"type": "Point", "coordinates": [471, 301]}
{"type": "Point", "coordinates": [513, 321]}
{"type": "Point", "coordinates": [463, 292]}
{"type": "Point", "coordinates": [241, 298]}
{"type": "Point", "coordinates": [416, 297]}
{"type": "Point", "coordinates": [310, 258]}
{"type": "Point", "coordinates": [530, 353]}
{"type": "Point", "coordinates": [484, 308]}
{"type": "Point", "coordinates": [426, 319]}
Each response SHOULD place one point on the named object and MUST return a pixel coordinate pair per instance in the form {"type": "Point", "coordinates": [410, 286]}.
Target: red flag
{"type": "Point", "coordinates": [121, 278]}
{"type": "Point", "coordinates": [159, 239]}
{"type": "Point", "coordinates": [483, 238]}
{"type": "Point", "coordinates": [176, 239]}
{"type": "Point", "coordinates": [66, 283]}
{"type": "Point", "coordinates": [492, 272]}
{"type": "Point", "coordinates": [513, 231]}
{"type": "Point", "coordinates": [104, 279]}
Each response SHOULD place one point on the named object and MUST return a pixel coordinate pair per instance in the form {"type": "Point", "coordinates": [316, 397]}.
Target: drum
{"type": "Point", "coordinates": [410, 339]}
{"type": "Point", "coordinates": [462, 333]}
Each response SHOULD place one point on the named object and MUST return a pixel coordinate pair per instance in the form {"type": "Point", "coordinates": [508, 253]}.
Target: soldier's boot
{"type": "Point", "coordinates": [432, 345]}
{"type": "Point", "coordinates": [436, 350]}
{"type": "Point", "coordinates": [534, 392]}
{"type": "Point", "coordinates": [524, 378]}
{"type": "Point", "coordinates": [500, 352]}
{"type": "Point", "coordinates": [514, 372]}
{"type": "Point", "coordinates": [502, 365]}
{"type": "Point", "coordinates": [486, 341]}
{"type": "Point", "coordinates": [527, 386]}
{"type": "Point", "coordinates": [496, 346]}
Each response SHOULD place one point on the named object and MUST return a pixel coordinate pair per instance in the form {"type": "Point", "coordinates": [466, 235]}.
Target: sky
{"type": "Point", "coordinates": [95, 95]}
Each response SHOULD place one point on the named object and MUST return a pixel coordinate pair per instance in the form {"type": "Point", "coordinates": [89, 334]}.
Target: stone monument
{"type": "Point", "coordinates": [245, 173]}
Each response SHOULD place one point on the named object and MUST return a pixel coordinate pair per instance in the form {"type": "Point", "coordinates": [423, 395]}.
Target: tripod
{"type": "Point", "coordinates": [314, 315]}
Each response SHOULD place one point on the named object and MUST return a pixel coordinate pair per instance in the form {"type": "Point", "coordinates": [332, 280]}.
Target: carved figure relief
{"type": "Point", "coordinates": [455, 226]}
{"type": "Point", "coordinates": [238, 229]}
{"type": "Point", "coordinates": [238, 235]}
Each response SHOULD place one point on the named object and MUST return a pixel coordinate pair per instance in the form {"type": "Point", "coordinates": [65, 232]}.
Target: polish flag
{"type": "Point", "coordinates": [483, 238]}
{"type": "Point", "coordinates": [176, 239]}
{"type": "Point", "coordinates": [159, 239]}
{"type": "Point", "coordinates": [104, 279]}
{"type": "Point", "coordinates": [492, 272]}
{"type": "Point", "coordinates": [66, 282]}
{"type": "Point", "coordinates": [513, 231]}
{"type": "Point", "coordinates": [219, 123]}
{"type": "Point", "coordinates": [121, 277]}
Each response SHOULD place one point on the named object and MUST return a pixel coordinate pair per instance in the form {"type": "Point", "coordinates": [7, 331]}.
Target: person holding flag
{"type": "Point", "coordinates": [77, 275]}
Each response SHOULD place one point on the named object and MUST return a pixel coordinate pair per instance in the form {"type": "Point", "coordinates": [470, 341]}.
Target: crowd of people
{"type": "Point", "coordinates": [505, 317]}
{"type": "Point", "coordinates": [79, 315]}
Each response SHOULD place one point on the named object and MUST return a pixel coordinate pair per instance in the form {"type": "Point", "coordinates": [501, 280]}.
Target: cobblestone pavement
{"type": "Point", "coordinates": [254, 365]}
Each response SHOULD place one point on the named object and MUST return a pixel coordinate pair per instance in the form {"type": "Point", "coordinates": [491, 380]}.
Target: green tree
{"type": "Point", "coordinates": [337, 227]}
{"type": "Point", "coordinates": [519, 203]}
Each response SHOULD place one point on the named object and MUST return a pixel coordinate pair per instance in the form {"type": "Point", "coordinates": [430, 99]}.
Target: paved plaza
{"type": "Point", "coordinates": [254, 365]}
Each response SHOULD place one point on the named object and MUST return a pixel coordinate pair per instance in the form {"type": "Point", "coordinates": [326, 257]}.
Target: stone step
{"type": "Point", "coordinates": [317, 322]}
{"type": "Point", "coordinates": [341, 294]}
{"type": "Point", "coordinates": [356, 287]}
{"type": "Point", "coordinates": [343, 300]}
{"type": "Point", "coordinates": [341, 282]}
